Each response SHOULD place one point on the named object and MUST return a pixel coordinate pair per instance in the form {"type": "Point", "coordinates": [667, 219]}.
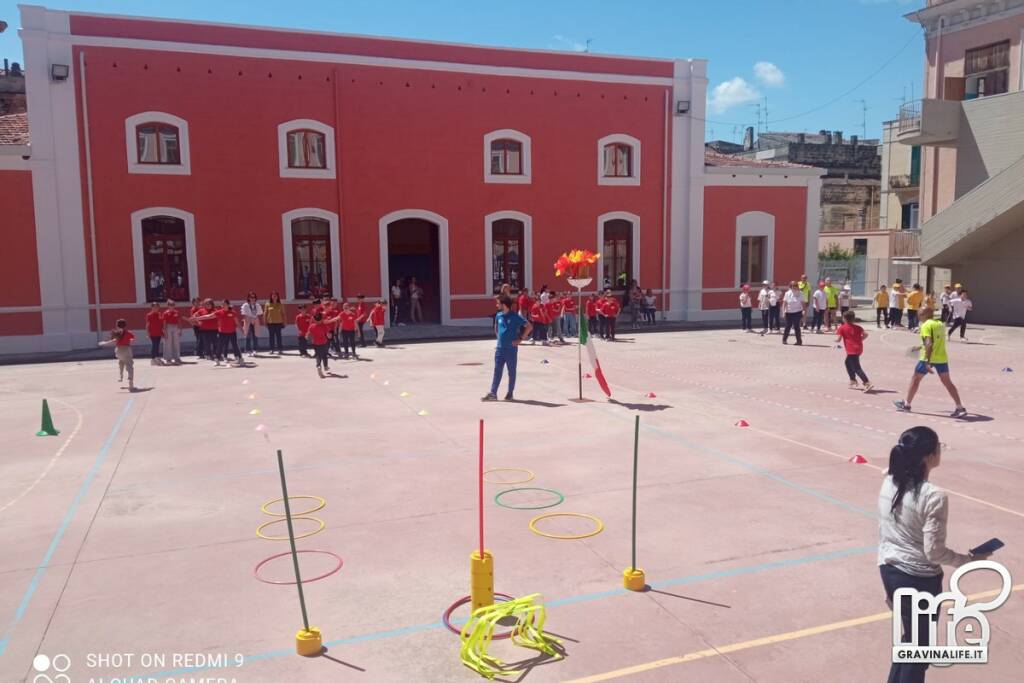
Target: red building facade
{"type": "Point", "coordinates": [183, 159]}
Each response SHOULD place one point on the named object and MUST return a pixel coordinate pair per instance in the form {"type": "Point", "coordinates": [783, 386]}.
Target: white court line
{"type": "Point", "coordinates": [53, 460]}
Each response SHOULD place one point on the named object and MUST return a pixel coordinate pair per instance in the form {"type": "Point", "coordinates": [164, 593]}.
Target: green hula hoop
{"type": "Point", "coordinates": [497, 499]}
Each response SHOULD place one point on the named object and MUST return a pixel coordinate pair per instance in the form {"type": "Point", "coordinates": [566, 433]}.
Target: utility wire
{"type": "Point", "coordinates": [834, 99]}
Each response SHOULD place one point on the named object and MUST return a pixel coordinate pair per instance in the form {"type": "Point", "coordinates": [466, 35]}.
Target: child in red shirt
{"type": "Point", "coordinates": [226, 321]}
{"type": "Point", "coordinates": [302, 321]}
{"type": "Point", "coordinates": [172, 333]}
{"type": "Point", "coordinates": [540, 317]}
{"type": "Point", "coordinates": [207, 328]}
{"type": "Point", "coordinates": [347, 320]}
{"type": "Point", "coordinates": [197, 305]}
{"type": "Point", "coordinates": [121, 339]}
{"type": "Point", "coordinates": [610, 309]}
{"type": "Point", "coordinates": [377, 314]}
{"type": "Point", "coordinates": [554, 306]}
{"type": "Point", "coordinates": [155, 330]}
{"type": "Point", "coordinates": [590, 309]}
{"type": "Point", "coordinates": [853, 336]}
{"type": "Point", "coordinates": [525, 303]}
{"type": "Point", "coordinates": [362, 313]}
{"type": "Point", "coordinates": [569, 311]}
{"type": "Point", "coordinates": [319, 335]}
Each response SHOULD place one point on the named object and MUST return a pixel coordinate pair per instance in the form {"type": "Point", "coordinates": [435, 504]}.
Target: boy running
{"type": "Point", "coordinates": [933, 358]}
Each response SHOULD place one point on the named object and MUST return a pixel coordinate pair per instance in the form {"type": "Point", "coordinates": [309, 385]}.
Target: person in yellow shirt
{"type": "Point", "coordinates": [914, 302]}
{"type": "Point", "coordinates": [933, 359]}
{"type": "Point", "coordinates": [882, 307]}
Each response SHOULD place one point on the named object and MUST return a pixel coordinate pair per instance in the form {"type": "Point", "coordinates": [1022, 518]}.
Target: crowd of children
{"type": "Point", "coordinates": [555, 315]}
{"type": "Point", "coordinates": [325, 325]}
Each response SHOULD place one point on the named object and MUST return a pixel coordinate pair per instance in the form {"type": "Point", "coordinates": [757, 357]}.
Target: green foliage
{"type": "Point", "coordinates": [834, 252]}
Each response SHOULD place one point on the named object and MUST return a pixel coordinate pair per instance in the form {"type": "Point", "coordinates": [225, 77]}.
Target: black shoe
{"type": "Point", "coordinates": [799, 343]}
{"type": "Point", "coordinates": [490, 397]}
{"type": "Point", "coordinates": [508, 397]}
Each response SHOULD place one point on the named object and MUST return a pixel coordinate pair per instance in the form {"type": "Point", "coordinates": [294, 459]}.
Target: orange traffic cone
{"type": "Point", "coordinates": [742, 423]}
{"type": "Point", "coordinates": [651, 394]}
{"type": "Point", "coordinates": [47, 428]}
{"type": "Point", "coordinates": [858, 459]}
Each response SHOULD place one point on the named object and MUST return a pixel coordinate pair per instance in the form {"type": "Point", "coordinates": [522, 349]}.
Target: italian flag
{"type": "Point", "coordinates": [592, 355]}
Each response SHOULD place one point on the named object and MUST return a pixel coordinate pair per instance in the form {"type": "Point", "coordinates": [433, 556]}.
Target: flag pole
{"type": "Point", "coordinates": [633, 578]}
{"type": "Point", "coordinates": [579, 339]}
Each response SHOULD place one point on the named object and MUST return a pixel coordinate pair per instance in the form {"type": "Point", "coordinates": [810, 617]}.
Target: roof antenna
{"type": "Point", "coordinates": [587, 47]}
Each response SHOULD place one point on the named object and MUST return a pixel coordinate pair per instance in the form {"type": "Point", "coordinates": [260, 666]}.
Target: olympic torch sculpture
{"type": "Point", "coordinates": [576, 265]}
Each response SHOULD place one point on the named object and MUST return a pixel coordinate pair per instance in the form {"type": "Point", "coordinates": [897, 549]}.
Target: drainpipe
{"type": "Point", "coordinates": [664, 209]}
{"type": "Point", "coordinates": [337, 181]}
{"type": "Point", "coordinates": [88, 186]}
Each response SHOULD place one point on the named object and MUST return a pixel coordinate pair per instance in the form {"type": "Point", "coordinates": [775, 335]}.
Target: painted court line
{"type": "Point", "coordinates": [53, 460]}
{"type": "Point", "coordinates": [65, 522]}
{"type": "Point", "coordinates": [569, 600]}
{"type": "Point", "coordinates": [757, 642]}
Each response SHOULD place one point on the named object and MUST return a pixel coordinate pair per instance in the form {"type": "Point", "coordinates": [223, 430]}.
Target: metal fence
{"type": "Point", "coordinates": [865, 275]}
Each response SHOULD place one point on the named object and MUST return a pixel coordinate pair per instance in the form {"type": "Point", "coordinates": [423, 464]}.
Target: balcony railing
{"type": "Point", "coordinates": [905, 244]}
{"type": "Point", "coordinates": [910, 117]}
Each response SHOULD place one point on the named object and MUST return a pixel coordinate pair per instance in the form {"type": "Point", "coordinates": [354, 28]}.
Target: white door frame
{"type": "Point", "coordinates": [618, 215]}
{"type": "Point", "coordinates": [442, 257]}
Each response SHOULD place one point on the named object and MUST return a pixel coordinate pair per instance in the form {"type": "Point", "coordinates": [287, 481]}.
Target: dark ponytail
{"type": "Point", "coordinates": [906, 461]}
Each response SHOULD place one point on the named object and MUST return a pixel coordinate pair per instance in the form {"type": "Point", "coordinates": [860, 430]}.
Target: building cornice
{"type": "Point", "coordinates": [957, 15]}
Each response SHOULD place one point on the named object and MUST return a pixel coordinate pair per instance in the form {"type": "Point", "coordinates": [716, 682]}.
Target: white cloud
{"type": "Point", "coordinates": [563, 43]}
{"type": "Point", "coordinates": [732, 93]}
{"type": "Point", "coordinates": [769, 74]}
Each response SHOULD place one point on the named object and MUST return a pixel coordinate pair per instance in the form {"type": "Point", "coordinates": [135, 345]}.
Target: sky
{"type": "Point", "coordinates": [818, 62]}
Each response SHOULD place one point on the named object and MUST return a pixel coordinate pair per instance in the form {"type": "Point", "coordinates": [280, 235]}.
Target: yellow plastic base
{"type": "Point", "coordinates": [481, 584]}
{"type": "Point", "coordinates": [309, 643]}
{"type": "Point", "coordinates": [633, 579]}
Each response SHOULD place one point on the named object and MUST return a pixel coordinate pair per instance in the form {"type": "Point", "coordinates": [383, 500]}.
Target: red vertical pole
{"type": "Point", "coordinates": [480, 489]}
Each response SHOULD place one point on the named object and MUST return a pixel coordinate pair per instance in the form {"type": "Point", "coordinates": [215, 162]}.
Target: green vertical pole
{"type": "Point", "coordinates": [291, 540]}
{"type": "Point", "coordinates": [636, 451]}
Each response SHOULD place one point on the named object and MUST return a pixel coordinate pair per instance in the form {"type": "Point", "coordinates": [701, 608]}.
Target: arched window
{"type": "Point", "coordinates": [165, 260]}
{"type": "Point", "coordinates": [311, 258]}
{"type": "Point", "coordinates": [617, 254]}
{"type": "Point", "coordinates": [618, 160]}
{"type": "Point", "coordinates": [506, 157]}
{"type": "Point", "coordinates": [306, 149]}
{"type": "Point", "coordinates": [507, 253]}
{"type": "Point", "coordinates": [157, 143]}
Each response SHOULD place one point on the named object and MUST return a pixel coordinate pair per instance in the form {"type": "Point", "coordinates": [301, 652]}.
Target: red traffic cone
{"type": "Point", "coordinates": [587, 375]}
{"type": "Point", "coordinates": [858, 459]}
{"type": "Point", "coordinates": [651, 394]}
{"type": "Point", "coordinates": [742, 423]}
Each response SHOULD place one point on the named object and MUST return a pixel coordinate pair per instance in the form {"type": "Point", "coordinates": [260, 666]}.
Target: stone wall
{"type": "Point", "coordinates": [849, 204]}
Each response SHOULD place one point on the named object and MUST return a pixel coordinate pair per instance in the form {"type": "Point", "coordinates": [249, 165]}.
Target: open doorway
{"type": "Point", "coordinates": [413, 252]}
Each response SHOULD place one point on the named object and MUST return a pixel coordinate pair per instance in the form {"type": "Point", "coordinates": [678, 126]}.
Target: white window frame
{"type": "Point", "coordinates": [282, 149]}
{"type": "Point", "coordinates": [507, 133]}
{"type": "Point", "coordinates": [333, 231]}
{"type": "Point", "coordinates": [526, 256]}
{"type": "Point", "coordinates": [755, 224]}
{"type": "Point", "coordinates": [635, 247]}
{"type": "Point", "coordinates": [137, 246]}
{"type": "Point", "coordinates": [132, 145]}
{"type": "Point", "coordinates": [622, 139]}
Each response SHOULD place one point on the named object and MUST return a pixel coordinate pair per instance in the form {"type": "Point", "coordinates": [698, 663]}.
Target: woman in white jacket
{"type": "Point", "coordinates": [251, 313]}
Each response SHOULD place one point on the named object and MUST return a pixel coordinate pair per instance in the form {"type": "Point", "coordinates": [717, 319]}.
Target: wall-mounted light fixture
{"type": "Point", "coordinates": [682, 106]}
{"type": "Point", "coordinates": [59, 72]}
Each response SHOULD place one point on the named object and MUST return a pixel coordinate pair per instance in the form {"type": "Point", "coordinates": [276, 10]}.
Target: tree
{"type": "Point", "coordinates": [834, 252]}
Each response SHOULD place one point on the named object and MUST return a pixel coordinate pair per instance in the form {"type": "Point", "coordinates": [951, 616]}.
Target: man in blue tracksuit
{"type": "Point", "coordinates": [510, 329]}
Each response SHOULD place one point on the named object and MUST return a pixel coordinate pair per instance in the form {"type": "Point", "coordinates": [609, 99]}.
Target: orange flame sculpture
{"type": "Point", "coordinates": [572, 262]}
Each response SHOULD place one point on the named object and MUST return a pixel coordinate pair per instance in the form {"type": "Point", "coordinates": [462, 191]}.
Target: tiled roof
{"type": "Point", "coordinates": [14, 129]}
{"type": "Point", "coordinates": [713, 158]}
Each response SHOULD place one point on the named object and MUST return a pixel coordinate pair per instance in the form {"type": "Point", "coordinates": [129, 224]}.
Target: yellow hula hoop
{"type": "Point", "coordinates": [599, 525]}
{"type": "Point", "coordinates": [259, 529]}
{"type": "Point", "coordinates": [294, 514]}
{"type": "Point", "coordinates": [509, 469]}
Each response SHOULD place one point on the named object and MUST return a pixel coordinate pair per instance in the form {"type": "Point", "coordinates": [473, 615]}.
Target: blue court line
{"type": "Point", "coordinates": [68, 518]}
{"type": "Point", "coordinates": [570, 600]}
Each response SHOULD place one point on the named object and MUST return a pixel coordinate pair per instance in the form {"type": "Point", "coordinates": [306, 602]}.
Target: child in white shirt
{"type": "Point", "coordinates": [820, 301]}
{"type": "Point", "coordinates": [745, 308]}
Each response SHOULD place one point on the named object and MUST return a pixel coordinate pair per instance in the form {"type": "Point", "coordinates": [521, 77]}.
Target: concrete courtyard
{"type": "Point", "coordinates": [130, 539]}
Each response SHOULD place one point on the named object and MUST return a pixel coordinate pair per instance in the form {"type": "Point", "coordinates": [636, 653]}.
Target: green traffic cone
{"type": "Point", "coordinates": [47, 428]}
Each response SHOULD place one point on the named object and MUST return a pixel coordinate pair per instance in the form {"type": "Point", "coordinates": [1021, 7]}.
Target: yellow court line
{"type": "Point", "coordinates": [882, 469]}
{"type": "Point", "coordinates": [758, 642]}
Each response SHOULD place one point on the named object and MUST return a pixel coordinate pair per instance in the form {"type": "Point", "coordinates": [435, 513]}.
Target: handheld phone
{"type": "Point", "coordinates": [989, 546]}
